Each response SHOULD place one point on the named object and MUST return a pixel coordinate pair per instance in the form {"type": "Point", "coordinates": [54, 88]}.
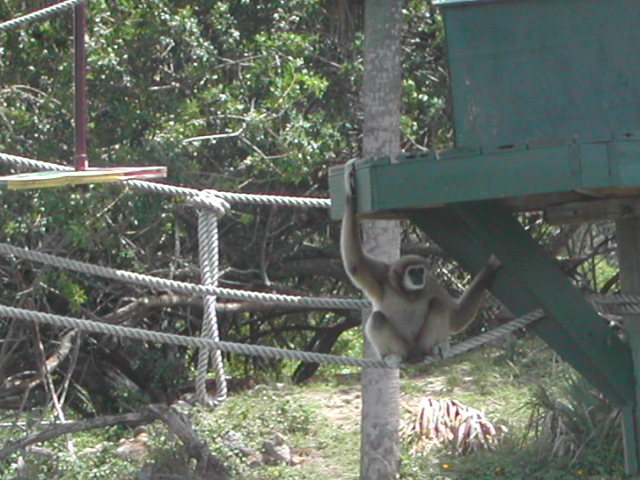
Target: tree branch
{"type": "Point", "coordinates": [133, 419]}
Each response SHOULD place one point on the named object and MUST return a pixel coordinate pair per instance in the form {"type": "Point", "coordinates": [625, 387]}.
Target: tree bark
{"type": "Point", "coordinates": [381, 99]}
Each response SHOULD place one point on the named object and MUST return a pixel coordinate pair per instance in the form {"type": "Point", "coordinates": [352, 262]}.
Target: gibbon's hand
{"type": "Point", "coordinates": [350, 177]}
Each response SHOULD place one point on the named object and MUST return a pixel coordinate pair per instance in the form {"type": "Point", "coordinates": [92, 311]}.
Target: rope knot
{"type": "Point", "coordinates": [210, 200]}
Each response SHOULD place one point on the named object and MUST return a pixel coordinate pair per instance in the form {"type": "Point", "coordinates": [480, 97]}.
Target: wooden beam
{"type": "Point", "coordinates": [593, 210]}
{"type": "Point", "coordinates": [543, 173]}
{"type": "Point", "coordinates": [628, 236]}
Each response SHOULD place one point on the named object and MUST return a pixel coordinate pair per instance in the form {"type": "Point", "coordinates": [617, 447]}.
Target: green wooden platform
{"type": "Point", "coordinates": [524, 177]}
{"type": "Point", "coordinates": [458, 200]}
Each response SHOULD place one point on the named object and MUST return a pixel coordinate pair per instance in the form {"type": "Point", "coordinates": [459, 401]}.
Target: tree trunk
{"type": "Point", "coordinates": [381, 96]}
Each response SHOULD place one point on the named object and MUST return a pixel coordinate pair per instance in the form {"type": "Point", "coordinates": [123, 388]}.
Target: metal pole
{"type": "Point", "coordinates": [81, 95]}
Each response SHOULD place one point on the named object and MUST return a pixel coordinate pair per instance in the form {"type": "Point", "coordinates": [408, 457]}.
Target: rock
{"type": "Point", "coordinates": [235, 441]}
{"type": "Point", "coordinates": [136, 448]}
{"type": "Point", "coordinates": [276, 450]}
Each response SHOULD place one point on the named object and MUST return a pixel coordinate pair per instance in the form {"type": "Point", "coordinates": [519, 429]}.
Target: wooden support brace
{"type": "Point", "coordinates": [528, 280]}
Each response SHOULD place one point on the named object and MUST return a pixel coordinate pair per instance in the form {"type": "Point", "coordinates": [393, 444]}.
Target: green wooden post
{"type": "Point", "coordinates": [628, 236]}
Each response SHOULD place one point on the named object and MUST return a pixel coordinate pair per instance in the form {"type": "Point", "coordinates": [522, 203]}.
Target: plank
{"type": "Point", "coordinates": [35, 180]}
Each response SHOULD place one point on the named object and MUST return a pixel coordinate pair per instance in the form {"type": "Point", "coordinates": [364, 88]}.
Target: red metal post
{"type": "Point", "coordinates": [81, 92]}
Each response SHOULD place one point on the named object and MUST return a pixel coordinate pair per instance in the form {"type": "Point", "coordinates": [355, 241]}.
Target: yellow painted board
{"type": "Point", "coordinates": [34, 180]}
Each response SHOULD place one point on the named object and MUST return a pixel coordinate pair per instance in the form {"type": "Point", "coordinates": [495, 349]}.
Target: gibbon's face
{"type": "Point", "coordinates": [414, 278]}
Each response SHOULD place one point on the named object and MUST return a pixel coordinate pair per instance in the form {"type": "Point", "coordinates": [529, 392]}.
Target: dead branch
{"type": "Point", "coordinates": [133, 419]}
{"type": "Point", "coordinates": [14, 387]}
{"type": "Point", "coordinates": [135, 308]}
{"type": "Point", "coordinates": [208, 464]}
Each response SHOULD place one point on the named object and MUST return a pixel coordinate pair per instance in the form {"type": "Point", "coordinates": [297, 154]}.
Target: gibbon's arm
{"type": "Point", "coordinates": [468, 305]}
{"type": "Point", "coordinates": [366, 272]}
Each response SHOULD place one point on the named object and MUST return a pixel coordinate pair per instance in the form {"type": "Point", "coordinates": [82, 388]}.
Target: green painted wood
{"type": "Point", "coordinates": [628, 236]}
{"type": "Point", "coordinates": [630, 440]}
{"type": "Point", "coordinates": [422, 181]}
{"type": "Point", "coordinates": [529, 280]}
{"type": "Point", "coordinates": [523, 70]}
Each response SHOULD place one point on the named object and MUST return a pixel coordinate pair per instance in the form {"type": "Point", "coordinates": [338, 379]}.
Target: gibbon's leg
{"type": "Point", "coordinates": [384, 338]}
{"type": "Point", "coordinates": [469, 303]}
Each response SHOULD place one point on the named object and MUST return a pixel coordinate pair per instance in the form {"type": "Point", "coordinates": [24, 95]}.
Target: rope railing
{"type": "Point", "coordinates": [249, 349]}
{"type": "Point", "coordinates": [180, 287]}
{"type": "Point", "coordinates": [186, 341]}
{"type": "Point", "coordinates": [39, 14]}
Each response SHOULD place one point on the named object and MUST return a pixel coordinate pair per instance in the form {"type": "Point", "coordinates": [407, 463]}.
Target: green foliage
{"type": "Point", "coordinates": [234, 95]}
{"type": "Point", "coordinates": [253, 418]}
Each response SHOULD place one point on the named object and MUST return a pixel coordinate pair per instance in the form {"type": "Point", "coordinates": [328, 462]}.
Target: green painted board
{"type": "Point", "coordinates": [524, 70]}
{"type": "Point", "coordinates": [528, 280]}
{"type": "Point", "coordinates": [424, 181]}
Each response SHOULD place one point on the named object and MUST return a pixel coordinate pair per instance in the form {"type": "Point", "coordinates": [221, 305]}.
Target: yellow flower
{"type": "Point", "coordinates": [446, 466]}
{"type": "Point", "coordinates": [581, 472]}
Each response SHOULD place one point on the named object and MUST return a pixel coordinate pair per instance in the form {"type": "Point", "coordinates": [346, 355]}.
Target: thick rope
{"type": "Point", "coordinates": [195, 342]}
{"type": "Point", "coordinates": [619, 303]}
{"type": "Point", "coordinates": [208, 242]}
{"type": "Point", "coordinates": [489, 336]}
{"type": "Point", "coordinates": [180, 287]}
{"type": "Point", "coordinates": [165, 189]}
{"type": "Point", "coordinates": [245, 349]}
{"type": "Point", "coordinates": [39, 14]}
{"type": "Point", "coordinates": [31, 163]}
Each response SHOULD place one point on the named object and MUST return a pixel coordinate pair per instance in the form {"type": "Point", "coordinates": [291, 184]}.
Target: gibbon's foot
{"type": "Point", "coordinates": [393, 360]}
{"type": "Point", "coordinates": [441, 350]}
{"type": "Point", "coordinates": [350, 177]}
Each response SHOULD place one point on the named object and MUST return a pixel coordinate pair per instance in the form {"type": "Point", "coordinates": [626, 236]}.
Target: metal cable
{"type": "Point", "coordinates": [39, 14]}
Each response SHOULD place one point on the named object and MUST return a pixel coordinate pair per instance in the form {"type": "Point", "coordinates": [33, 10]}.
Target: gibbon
{"type": "Point", "coordinates": [413, 314]}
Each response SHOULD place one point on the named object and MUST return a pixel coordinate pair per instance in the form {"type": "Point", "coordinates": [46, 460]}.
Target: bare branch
{"type": "Point", "coordinates": [133, 419]}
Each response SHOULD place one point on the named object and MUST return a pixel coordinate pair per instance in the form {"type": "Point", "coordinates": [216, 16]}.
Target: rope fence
{"type": "Point", "coordinates": [248, 349]}
{"type": "Point", "coordinates": [186, 341]}
{"type": "Point", "coordinates": [180, 287]}
{"type": "Point", "coordinates": [618, 303]}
